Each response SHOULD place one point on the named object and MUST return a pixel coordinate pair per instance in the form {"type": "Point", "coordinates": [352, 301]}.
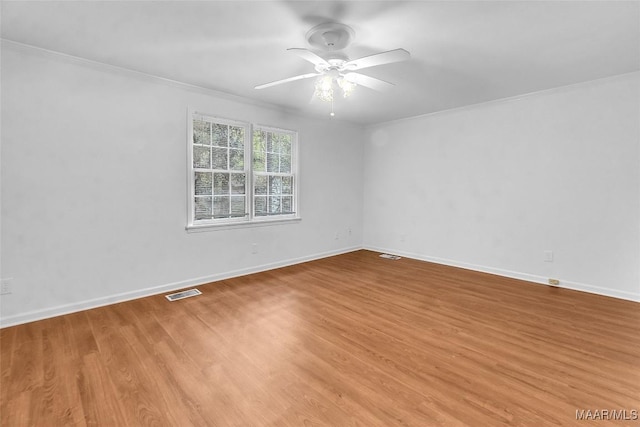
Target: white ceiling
{"type": "Point", "coordinates": [462, 52]}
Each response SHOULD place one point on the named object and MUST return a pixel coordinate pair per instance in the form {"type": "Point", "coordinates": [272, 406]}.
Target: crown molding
{"type": "Point", "coordinates": [514, 98]}
{"type": "Point", "coordinates": [151, 78]}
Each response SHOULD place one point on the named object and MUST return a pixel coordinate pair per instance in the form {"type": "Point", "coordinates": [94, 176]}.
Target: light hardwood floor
{"type": "Point", "coordinates": [351, 340]}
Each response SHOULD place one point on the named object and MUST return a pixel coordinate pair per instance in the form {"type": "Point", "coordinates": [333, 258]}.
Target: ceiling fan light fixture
{"type": "Point", "coordinates": [324, 88]}
{"type": "Point", "coordinates": [346, 86]}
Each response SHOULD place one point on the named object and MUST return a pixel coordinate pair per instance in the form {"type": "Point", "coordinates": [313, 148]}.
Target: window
{"type": "Point", "coordinates": [238, 175]}
{"type": "Point", "coordinates": [273, 178]}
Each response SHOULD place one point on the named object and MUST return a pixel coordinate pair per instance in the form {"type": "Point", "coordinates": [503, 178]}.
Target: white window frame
{"type": "Point", "coordinates": [294, 173]}
{"type": "Point", "coordinates": [249, 219]}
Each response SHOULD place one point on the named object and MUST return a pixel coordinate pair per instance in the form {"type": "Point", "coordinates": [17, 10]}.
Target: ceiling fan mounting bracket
{"type": "Point", "coordinates": [330, 36]}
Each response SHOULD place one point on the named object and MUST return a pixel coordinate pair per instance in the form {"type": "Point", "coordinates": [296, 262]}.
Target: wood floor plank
{"type": "Point", "coordinates": [350, 340]}
{"type": "Point", "coordinates": [60, 396]}
{"type": "Point", "coordinates": [97, 393]}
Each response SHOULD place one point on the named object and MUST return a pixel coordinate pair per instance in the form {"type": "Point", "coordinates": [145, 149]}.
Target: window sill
{"type": "Point", "coordinates": [199, 228]}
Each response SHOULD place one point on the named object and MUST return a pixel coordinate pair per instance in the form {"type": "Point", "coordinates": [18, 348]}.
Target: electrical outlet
{"type": "Point", "coordinates": [254, 248]}
{"type": "Point", "coordinates": [337, 235]}
{"type": "Point", "coordinates": [554, 282]}
{"type": "Point", "coordinates": [548, 256]}
{"type": "Point", "coordinates": [349, 231]}
{"type": "Point", "coordinates": [6, 286]}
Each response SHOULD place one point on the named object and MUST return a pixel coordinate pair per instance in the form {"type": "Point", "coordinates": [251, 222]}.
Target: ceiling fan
{"type": "Point", "coordinates": [333, 37]}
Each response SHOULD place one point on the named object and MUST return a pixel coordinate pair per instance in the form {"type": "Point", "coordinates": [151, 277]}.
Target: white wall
{"type": "Point", "coordinates": [492, 186]}
{"type": "Point", "coordinates": [94, 187]}
{"type": "Point", "coordinates": [93, 164]}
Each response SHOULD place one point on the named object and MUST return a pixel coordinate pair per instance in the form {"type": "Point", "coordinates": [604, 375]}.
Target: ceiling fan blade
{"type": "Point", "coordinates": [388, 57]}
{"type": "Point", "coordinates": [370, 82]}
{"type": "Point", "coordinates": [290, 79]}
{"type": "Point", "coordinates": [308, 55]}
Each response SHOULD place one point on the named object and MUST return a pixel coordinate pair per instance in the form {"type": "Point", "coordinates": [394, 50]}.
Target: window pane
{"type": "Point", "coordinates": [258, 161]}
{"type": "Point", "coordinates": [260, 205]}
{"type": "Point", "coordinates": [238, 183]}
{"type": "Point", "coordinates": [275, 185]}
{"type": "Point", "coordinates": [237, 206]}
{"type": "Point", "coordinates": [201, 157]}
{"type": "Point", "coordinates": [236, 159]}
{"type": "Point", "coordinates": [285, 164]}
{"type": "Point", "coordinates": [287, 185]}
{"type": "Point", "coordinates": [260, 185]}
{"type": "Point", "coordinates": [220, 183]}
{"type": "Point", "coordinates": [201, 132]}
{"type": "Point", "coordinates": [203, 207]}
{"type": "Point", "coordinates": [287, 204]}
{"type": "Point", "coordinates": [272, 162]}
{"type": "Point", "coordinates": [236, 137]}
{"type": "Point", "coordinates": [274, 204]}
{"type": "Point", "coordinates": [203, 183]}
{"type": "Point", "coordinates": [220, 135]}
{"type": "Point", "coordinates": [285, 144]}
{"type": "Point", "coordinates": [275, 143]}
{"type": "Point", "coordinates": [221, 206]}
{"type": "Point", "coordinates": [219, 158]}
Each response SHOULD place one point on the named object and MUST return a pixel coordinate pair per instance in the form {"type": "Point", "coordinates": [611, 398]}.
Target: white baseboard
{"type": "Point", "coordinates": [46, 313]}
{"type": "Point", "coordinates": [576, 286]}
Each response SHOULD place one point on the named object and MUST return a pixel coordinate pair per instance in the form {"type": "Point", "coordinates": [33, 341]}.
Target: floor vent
{"type": "Point", "coordinates": [183, 295]}
{"type": "Point", "coordinates": [389, 256]}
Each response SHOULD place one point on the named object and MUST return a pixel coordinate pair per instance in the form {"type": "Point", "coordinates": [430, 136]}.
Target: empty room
{"type": "Point", "coordinates": [304, 213]}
